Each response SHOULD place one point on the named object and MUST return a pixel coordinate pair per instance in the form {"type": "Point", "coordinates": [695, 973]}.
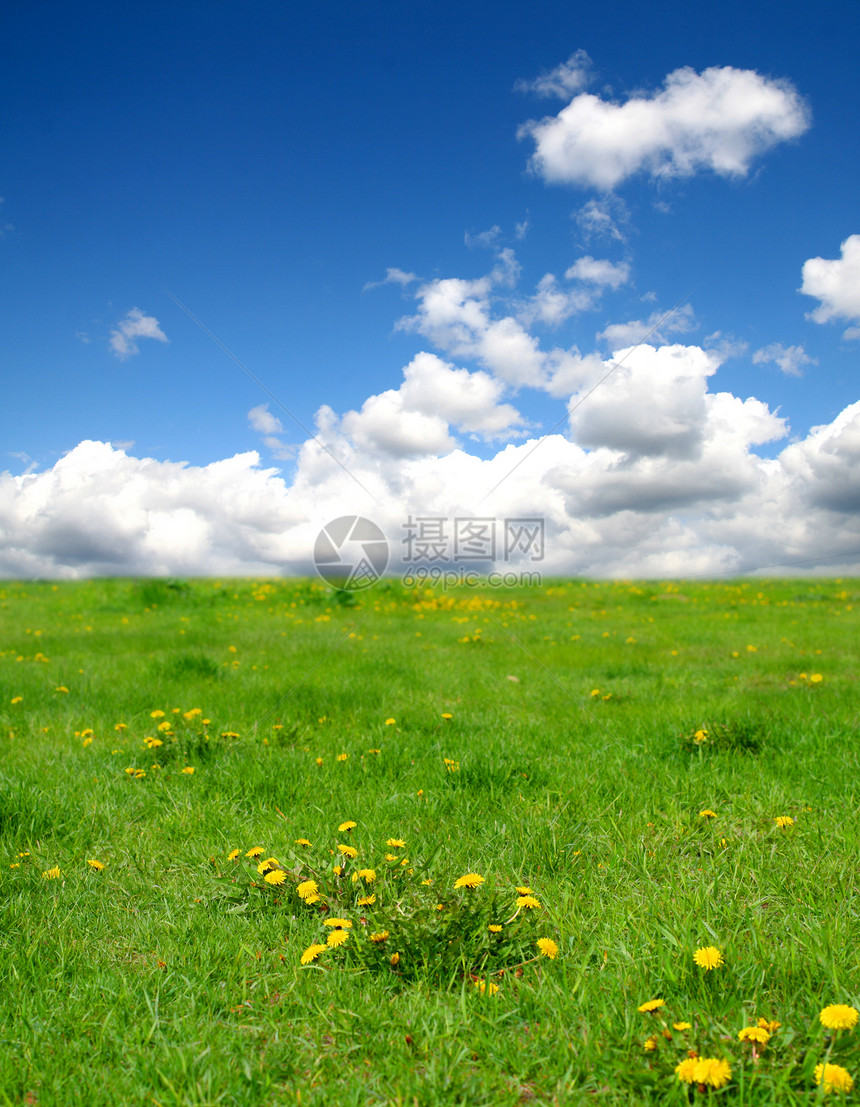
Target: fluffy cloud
{"type": "Point", "coordinates": [413, 421]}
{"type": "Point", "coordinates": [262, 420]}
{"type": "Point", "coordinates": [599, 271]}
{"type": "Point", "coordinates": [718, 120]}
{"type": "Point", "coordinates": [135, 325]}
{"type": "Point", "coordinates": [836, 284]}
{"type": "Point", "coordinates": [658, 325]}
{"type": "Point", "coordinates": [790, 359]}
{"type": "Point", "coordinates": [669, 484]}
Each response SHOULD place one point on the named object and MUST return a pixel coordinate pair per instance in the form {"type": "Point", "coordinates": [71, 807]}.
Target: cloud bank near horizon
{"type": "Point", "coordinates": [659, 477]}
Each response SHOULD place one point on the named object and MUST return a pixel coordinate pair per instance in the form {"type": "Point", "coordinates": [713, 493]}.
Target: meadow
{"type": "Point", "coordinates": [264, 843]}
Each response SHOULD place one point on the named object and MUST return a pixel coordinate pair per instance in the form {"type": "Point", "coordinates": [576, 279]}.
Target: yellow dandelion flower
{"type": "Point", "coordinates": [264, 867]}
{"type": "Point", "coordinates": [650, 1044]}
{"type": "Point", "coordinates": [163, 727]}
{"type": "Point", "coordinates": [494, 928]}
{"type": "Point", "coordinates": [713, 1071]}
{"type": "Point", "coordinates": [16, 699]}
{"type": "Point", "coordinates": [784, 821]}
{"type": "Point", "coordinates": [524, 891]}
{"type": "Point", "coordinates": [367, 874]}
{"type": "Point", "coordinates": [682, 1025]}
{"type": "Point", "coordinates": [307, 888]}
{"type": "Point", "coordinates": [310, 900]}
{"type": "Point", "coordinates": [391, 857]}
{"type": "Point", "coordinates": [470, 880]}
{"type": "Point", "coordinates": [276, 876]}
{"type": "Point", "coordinates": [651, 1005]}
{"type": "Point", "coordinates": [394, 960]}
{"type": "Point", "coordinates": [548, 948]}
{"type": "Point", "coordinates": [337, 938]}
{"type": "Point", "coordinates": [255, 851]}
{"type": "Point", "coordinates": [366, 901]}
{"type": "Point", "coordinates": [835, 1078]}
{"type": "Point", "coordinates": [379, 937]}
{"type": "Point", "coordinates": [233, 855]}
{"type": "Point", "coordinates": [188, 770]}
{"type": "Point", "coordinates": [338, 870]}
{"type": "Point", "coordinates": [770, 1025]}
{"type": "Point", "coordinates": [339, 924]}
{"type": "Point", "coordinates": [396, 843]}
{"type": "Point", "coordinates": [708, 957]}
{"type": "Point", "coordinates": [319, 761]}
{"type": "Point", "coordinates": [346, 826]}
{"type": "Point", "coordinates": [158, 714]}
{"type": "Point", "coordinates": [52, 874]}
{"type": "Point", "coordinates": [341, 757]}
{"type": "Point", "coordinates": [302, 842]}
{"type": "Point", "coordinates": [686, 1070]}
{"type": "Point", "coordinates": [94, 864]}
{"type": "Point", "coordinates": [61, 688]}
{"type": "Point", "coordinates": [447, 715]}
{"type": "Point", "coordinates": [312, 952]}
{"type": "Point", "coordinates": [756, 1034]}
{"type": "Point", "coordinates": [486, 987]}
{"type": "Point", "coordinates": [529, 902]}
{"type": "Point", "coordinates": [839, 1016]}
{"type": "Point", "coordinates": [139, 774]}
{"type": "Point", "coordinates": [707, 814]}
{"type": "Point", "coordinates": [815, 678]}
{"type": "Point", "coordinates": [390, 722]}
{"type": "Point", "coordinates": [348, 851]}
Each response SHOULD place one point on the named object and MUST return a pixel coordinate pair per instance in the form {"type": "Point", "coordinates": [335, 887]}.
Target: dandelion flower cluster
{"type": "Point", "coordinates": [712, 1071]}
{"type": "Point", "coordinates": [834, 1078]}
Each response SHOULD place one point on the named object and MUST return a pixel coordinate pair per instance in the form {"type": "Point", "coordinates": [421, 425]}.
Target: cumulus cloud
{"type": "Point", "coordinates": [416, 419]}
{"type": "Point", "coordinates": [569, 77]}
{"type": "Point", "coordinates": [836, 283]}
{"type": "Point", "coordinates": [618, 335]}
{"type": "Point", "coordinates": [659, 476]}
{"type": "Point", "coordinates": [718, 120]}
{"type": "Point", "coordinates": [135, 325]}
{"type": "Point", "coordinates": [261, 420]}
{"type": "Point", "coordinates": [790, 359]}
{"type": "Point", "coordinates": [599, 271]}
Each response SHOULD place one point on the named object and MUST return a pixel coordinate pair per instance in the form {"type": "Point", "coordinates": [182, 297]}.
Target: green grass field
{"type": "Point", "coordinates": [564, 739]}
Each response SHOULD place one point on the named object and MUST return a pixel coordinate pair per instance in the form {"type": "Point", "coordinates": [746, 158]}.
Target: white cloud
{"type": "Point", "coordinates": [455, 315]}
{"type": "Point", "coordinates": [261, 420]}
{"type": "Point", "coordinates": [718, 120]}
{"type": "Point", "coordinates": [790, 359]}
{"type": "Point", "coordinates": [414, 420]}
{"type": "Point", "coordinates": [135, 325]}
{"type": "Point", "coordinates": [603, 219]}
{"type": "Point", "coordinates": [599, 271]}
{"type": "Point", "coordinates": [569, 77]}
{"type": "Point", "coordinates": [392, 276]}
{"type": "Point", "coordinates": [836, 284]}
{"type": "Point", "coordinates": [618, 335]}
{"type": "Point", "coordinates": [675, 488]}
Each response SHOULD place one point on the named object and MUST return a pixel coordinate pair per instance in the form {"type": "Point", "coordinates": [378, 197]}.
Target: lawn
{"type": "Point", "coordinates": [559, 795]}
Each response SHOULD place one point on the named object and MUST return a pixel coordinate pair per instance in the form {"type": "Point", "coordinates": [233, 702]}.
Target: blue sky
{"type": "Point", "coordinates": [336, 191]}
